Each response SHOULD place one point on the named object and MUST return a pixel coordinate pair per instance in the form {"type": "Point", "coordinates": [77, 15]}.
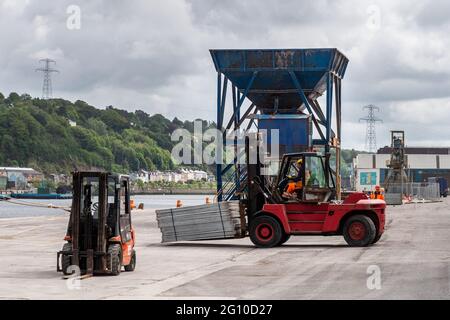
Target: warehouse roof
{"type": "Point", "coordinates": [417, 150]}
{"type": "Point", "coordinates": [18, 169]}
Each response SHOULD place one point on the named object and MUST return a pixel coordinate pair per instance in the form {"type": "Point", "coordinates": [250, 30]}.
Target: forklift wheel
{"type": "Point", "coordinates": [114, 259]}
{"type": "Point", "coordinates": [132, 264]}
{"type": "Point", "coordinates": [66, 261]}
{"type": "Point", "coordinates": [359, 231]}
{"type": "Point", "coordinates": [284, 239]}
{"type": "Point", "coordinates": [376, 238]}
{"type": "Point", "coordinates": [265, 232]}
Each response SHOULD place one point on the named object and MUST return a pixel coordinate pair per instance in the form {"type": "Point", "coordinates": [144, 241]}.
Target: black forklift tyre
{"type": "Point", "coordinates": [284, 239]}
{"type": "Point", "coordinates": [66, 260]}
{"type": "Point", "coordinates": [265, 232]}
{"type": "Point", "coordinates": [132, 264]}
{"type": "Point", "coordinates": [114, 259]}
{"type": "Point", "coordinates": [377, 237]}
{"type": "Point", "coordinates": [359, 231]}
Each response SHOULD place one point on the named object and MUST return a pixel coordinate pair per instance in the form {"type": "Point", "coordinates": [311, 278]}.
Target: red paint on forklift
{"type": "Point", "coordinates": [324, 218]}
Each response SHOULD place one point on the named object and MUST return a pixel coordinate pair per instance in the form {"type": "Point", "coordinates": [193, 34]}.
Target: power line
{"type": "Point", "coordinates": [371, 135]}
{"type": "Point", "coordinates": [47, 90]}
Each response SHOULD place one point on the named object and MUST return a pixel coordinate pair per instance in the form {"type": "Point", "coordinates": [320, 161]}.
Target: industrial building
{"type": "Point", "coordinates": [422, 163]}
{"type": "Point", "coordinates": [17, 178]}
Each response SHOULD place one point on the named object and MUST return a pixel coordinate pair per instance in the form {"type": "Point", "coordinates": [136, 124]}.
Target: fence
{"type": "Point", "coordinates": [416, 190]}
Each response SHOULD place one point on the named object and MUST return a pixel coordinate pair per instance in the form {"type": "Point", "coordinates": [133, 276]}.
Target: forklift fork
{"type": "Point", "coordinates": [90, 254]}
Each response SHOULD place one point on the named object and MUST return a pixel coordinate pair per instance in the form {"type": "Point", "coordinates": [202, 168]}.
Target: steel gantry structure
{"type": "Point", "coordinates": [279, 84]}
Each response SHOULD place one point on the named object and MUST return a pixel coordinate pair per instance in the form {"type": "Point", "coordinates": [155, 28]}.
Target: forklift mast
{"type": "Point", "coordinates": [82, 228]}
{"type": "Point", "coordinates": [255, 198]}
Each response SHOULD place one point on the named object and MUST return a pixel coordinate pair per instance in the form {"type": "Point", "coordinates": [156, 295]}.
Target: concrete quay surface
{"type": "Point", "coordinates": [411, 261]}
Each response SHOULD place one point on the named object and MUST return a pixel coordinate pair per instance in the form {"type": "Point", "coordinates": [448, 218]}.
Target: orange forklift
{"type": "Point", "coordinates": [100, 236]}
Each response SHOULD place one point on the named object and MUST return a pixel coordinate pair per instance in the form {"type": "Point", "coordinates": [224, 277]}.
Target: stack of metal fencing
{"type": "Point", "coordinates": [221, 220]}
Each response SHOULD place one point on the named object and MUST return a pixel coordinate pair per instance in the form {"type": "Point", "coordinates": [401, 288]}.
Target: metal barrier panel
{"type": "Point", "coordinates": [393, 198]}
{"type": "Point", "coordinates": [416, 190]}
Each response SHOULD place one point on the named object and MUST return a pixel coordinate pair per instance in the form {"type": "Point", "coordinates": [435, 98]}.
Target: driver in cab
{"type": "Point", "coordinates": [295, 185]}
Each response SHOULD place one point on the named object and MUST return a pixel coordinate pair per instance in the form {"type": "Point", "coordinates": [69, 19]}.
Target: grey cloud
{"type": "Point", "coordinates": [433, 14]}
{"type": "Point", "coordinates": [253, 15]}
{"type": "Point", "coordinates": [154, 54]}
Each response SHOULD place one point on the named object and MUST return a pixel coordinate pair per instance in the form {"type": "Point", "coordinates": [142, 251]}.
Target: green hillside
{"type": "Point", "coordinates": [37, 133]}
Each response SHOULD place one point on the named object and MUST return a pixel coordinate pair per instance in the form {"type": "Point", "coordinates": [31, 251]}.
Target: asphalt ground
{"type": "Point", "coordinates": [411, 261]}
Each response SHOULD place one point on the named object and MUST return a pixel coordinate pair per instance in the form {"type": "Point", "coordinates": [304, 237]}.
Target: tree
{"type": "Point", "coordinates": [36, 133]}
{"type": "Point", "coordinates": [25, 96]}
{"type": "Point", "coordinates": [140, 184]}
{"type": "Point", "coordinates": [114, 120]}
{"type": "Point", "coordinates": [13, 97]}
{"type": "Point", "coordinates": [97, 125]}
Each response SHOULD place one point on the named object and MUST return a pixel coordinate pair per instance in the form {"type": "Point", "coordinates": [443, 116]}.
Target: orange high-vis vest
{"type": "Point", "coordinates": [292, 186]}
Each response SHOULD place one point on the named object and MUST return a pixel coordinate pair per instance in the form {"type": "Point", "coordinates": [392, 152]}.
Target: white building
{"type": "Point", "coordinates": [183, 175]}
{"type": "Point", "coordinates": [154, 176]}
{"type": "Point", "coordinates": [371, 169]}
{"type": "Point", "coordinates": [141, 175]}
{"type": "Point", "coordinates": [200, 175]}
{"type": "Point", "coordinates": [167, 176]}
{"type": "Point", "coordinates": [187, 175]}
{"type": "Point", "coordinates": [177, 177]}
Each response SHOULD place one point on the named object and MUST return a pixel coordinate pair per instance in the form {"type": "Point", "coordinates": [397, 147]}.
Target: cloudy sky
{"type": "Point", "coordinates": [153, 55]}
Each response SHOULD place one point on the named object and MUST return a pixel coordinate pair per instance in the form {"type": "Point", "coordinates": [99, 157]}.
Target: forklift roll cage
{"type": "Point", "coordinates": [287, 159]}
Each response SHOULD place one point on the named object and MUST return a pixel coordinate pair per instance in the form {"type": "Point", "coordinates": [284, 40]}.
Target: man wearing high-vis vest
{"type": "Point", "coordinates": [295, 185]}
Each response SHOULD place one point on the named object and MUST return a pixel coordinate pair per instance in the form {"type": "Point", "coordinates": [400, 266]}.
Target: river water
{"type": "Point", "coordinates": [11, 210]}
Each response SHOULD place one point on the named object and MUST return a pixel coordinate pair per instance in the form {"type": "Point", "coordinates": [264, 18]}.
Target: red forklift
{"type": "Point", "coordinates": [100, 237]}
{"type": "Point", "coordinates": [303, 196]}
{"type": "Point", "coordinates": [311, 209]}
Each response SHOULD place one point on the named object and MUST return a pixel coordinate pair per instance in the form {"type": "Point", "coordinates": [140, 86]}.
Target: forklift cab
{"type": "Point", "coordinates": [100, 237]}
{"type": "Point", "coordinates": [303, 177]}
